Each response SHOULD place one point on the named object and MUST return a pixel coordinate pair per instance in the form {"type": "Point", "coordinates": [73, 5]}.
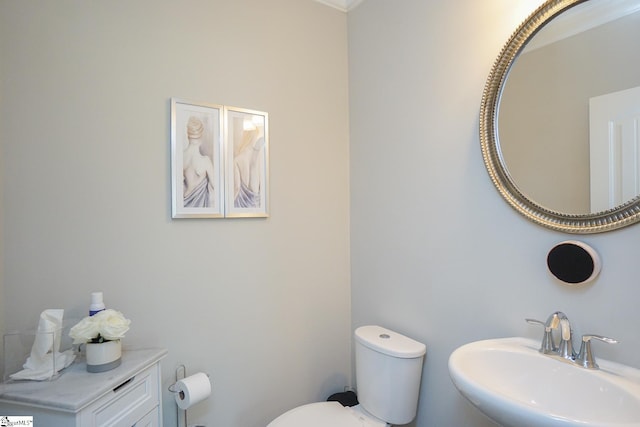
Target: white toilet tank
{"type": "Point", "coordinates": [388, 373]}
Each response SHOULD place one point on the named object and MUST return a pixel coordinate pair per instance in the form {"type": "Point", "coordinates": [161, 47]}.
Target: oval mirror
{"type": "Point", "coordinates": [560, 114]}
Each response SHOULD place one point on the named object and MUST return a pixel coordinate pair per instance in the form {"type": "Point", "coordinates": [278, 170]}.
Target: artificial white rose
{"type": "Point", "coordinates": [113, 324]}
{"type": "Point", "coordinates": [106, 325]}
{"type": "Point", "coordinates": [84, 331]}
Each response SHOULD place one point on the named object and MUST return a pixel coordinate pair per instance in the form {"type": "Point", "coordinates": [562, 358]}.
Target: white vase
{"type": "Point", "coordinates": [103, 356]}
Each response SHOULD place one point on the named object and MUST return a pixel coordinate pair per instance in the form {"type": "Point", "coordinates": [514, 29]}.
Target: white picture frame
{"type": "Point", "coordinates": [197, 165]}
{"type": "Point", "coordinates": [246, 136]}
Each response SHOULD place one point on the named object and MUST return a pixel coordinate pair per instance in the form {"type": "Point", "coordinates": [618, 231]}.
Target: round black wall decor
{"type": "Point", "coordinates": [573, 262]}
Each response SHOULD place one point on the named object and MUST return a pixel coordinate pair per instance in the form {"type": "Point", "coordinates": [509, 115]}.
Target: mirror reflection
{"type": "Point", "coordinates": [567, 123]}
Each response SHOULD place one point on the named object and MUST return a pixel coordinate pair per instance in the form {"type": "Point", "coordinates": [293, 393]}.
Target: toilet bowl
{"type": "Point", "coordinates": [388, 373]}
{"type": "Point", "coordinates": [325, 414]}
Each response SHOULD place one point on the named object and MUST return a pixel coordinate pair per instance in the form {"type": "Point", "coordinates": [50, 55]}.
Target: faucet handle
{"type": "Point", "coordinates": [535, 322]}
{"type": "Point", "coordinates": [547, 346]}
{"type": "Point", "coordinates": [585, 357]}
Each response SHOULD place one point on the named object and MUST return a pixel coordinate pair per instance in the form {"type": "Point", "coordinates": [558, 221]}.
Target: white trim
{"type": "Point", "coordinates": [342, 5]}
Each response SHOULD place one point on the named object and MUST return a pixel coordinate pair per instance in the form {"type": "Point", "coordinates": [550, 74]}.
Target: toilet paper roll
{"type": "Point", "coordinates": [192, 390]}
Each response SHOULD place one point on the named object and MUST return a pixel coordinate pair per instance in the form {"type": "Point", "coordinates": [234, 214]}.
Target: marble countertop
{"type": "Point", "coordinates": [76, 388]}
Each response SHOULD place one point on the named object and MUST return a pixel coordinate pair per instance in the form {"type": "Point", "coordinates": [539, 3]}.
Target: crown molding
{"type": "Point", "coordinates": [342, 5]}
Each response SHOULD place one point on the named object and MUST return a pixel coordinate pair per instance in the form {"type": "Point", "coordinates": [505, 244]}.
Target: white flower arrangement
{"type": "Point", "coordinates": [106, 325]}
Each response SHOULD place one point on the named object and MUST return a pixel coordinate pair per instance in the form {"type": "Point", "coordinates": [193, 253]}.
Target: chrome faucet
{"type": "Point", "coordinates": [565, 350]}
{"type": "Point", "coordinates": [548, 346]}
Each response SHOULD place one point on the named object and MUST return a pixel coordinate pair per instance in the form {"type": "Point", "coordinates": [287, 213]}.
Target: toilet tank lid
{"type": "Point", "coordinates": [388, 342]}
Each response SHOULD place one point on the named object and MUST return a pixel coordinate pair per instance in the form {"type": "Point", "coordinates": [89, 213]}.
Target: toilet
{"type": "Point", "coordinates": [388, 373]}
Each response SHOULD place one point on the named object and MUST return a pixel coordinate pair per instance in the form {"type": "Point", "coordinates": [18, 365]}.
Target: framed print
{"type": "Point", "coordinates": [197, 188]}
{"type": "Point", "coordinates": [246, 162]}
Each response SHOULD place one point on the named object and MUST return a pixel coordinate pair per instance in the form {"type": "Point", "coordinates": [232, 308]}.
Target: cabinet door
{"type": "Point", "coordinates": [127, 403]}
{"type": "Point", "coordinates": [152, 419]}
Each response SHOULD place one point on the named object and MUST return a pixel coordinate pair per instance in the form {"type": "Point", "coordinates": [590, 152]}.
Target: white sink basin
{"type": "Point", "coordinates": [515, 385]}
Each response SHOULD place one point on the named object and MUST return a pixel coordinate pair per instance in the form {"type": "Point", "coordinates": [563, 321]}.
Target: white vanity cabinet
{"type": "Point", "coordinates": [129, 395]}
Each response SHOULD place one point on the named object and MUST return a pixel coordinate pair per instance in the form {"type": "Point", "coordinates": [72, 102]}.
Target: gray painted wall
{"type": "Point", "coordinates": [263, 305]}
{"type": "Point", "coordinates": [435, 251]}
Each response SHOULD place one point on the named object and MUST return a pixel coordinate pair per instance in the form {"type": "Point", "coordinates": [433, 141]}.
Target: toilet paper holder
{"type": "Point", "coordinates": [181, 373]}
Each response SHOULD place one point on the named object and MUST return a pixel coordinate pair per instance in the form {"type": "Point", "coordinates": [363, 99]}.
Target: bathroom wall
{"type": "Point", "coordinates": [435, 251]}
{"type": "Point", "coordinates": [262, 305]}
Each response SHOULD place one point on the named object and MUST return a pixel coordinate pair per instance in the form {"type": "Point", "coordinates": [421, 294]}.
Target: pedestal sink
{"type": "Point", "coordinates": [515, 385]}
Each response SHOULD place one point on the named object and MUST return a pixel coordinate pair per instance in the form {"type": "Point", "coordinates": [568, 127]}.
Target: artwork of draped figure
{"type": "Point", "coordinates": [247, 167]}
{"type": "Point", "coordinates": [197, 168]}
